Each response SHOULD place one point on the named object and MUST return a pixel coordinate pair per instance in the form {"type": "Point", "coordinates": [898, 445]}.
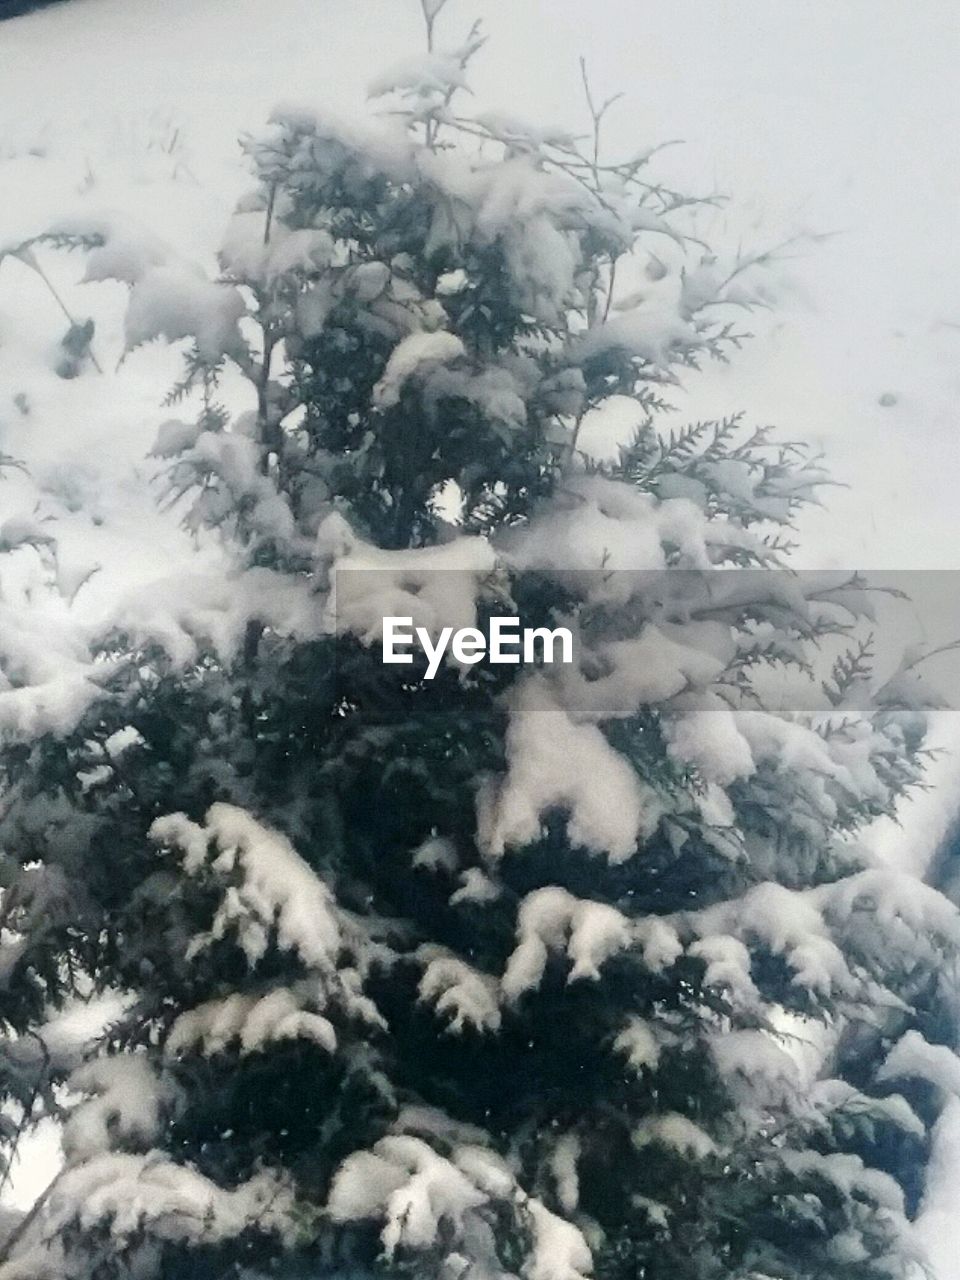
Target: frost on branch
{"type": "Point", "coordinates": [676, 1132]}
{"type": "Point", "coordinates": [554, 762]}
{"type": "Point", "coordinates": [269, 897]}
{"type": "Point", "coordinates": [912, 1057]}
{"type": "Point", "coordinates": [248, 257]}
{"type": "Point", "coordinates": [553, 920]}
{"type": "Point", "coordinates": [139, 1201]}
{"type": "Point", "coordinates": [458, 993]}
{"type": "Point", "coordinates": [252, 1022]}
{"type": "Point", "coordinates": [48, 674]}
{"type": "Point", "coordinates": [639, 1044]}
{"type": "Point", "coordinates": [117, 247]}
{"type": "Point", "coordinates": [435, 586]}
{"type": "Point", "coordinates": [429, 73]}
{"type": "Point", "coordinates": [190, 615]}
{"type": "Point", "coordinates": [174, 302]}
{"type": "Point", "coordinates": [276, 886]}
{"type": "Point", "coordinates": [126, 1104]}
{"type": "Point", "coordinates": [412, 356]}
{"type": "Point", "coordinates": [421, 1197]}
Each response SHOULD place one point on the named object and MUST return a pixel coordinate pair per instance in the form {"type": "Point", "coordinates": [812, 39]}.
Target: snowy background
{"type": "Point", "coordinates": [834, 116]}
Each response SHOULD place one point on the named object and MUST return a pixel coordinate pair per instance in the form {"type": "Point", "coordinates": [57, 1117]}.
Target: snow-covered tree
{"type": "Point", "coordinates": [524, 971]}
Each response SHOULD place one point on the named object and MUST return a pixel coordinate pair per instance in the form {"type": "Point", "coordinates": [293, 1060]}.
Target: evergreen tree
{"type": "Point", "coordinates": [539, 971]}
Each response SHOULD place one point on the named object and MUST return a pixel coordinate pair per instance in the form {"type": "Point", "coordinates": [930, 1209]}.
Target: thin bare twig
{"type": "Point", "coordinates": [596, 115]}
